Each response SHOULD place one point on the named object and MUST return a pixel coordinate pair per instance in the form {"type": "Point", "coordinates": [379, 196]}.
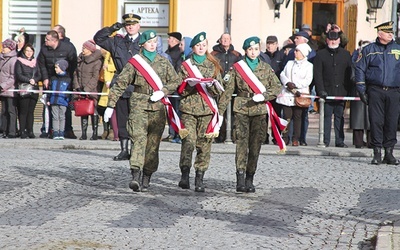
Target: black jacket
{"type": "Point", "coordinates": [176, 56]}
{"type": "Point", "coordinates": [48, 57]}
{"type": "Point", "coordinates": [332, 71]}
{"type": "Point", "coordinates": [277, 59]}
{"type": "Point", "coordinates": [226, 58]}
{"type": "Point", "coordinates": [120, 48]}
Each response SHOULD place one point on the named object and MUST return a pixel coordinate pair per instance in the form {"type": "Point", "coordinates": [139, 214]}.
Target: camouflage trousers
{"type": "Point", "coordinates": [197, 126]}
{"type": "Point", "coordinates": [251, 132]}
{"type": "Point", "coordinates": [145, 129]}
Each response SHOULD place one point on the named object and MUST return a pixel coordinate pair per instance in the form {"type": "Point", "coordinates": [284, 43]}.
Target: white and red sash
{"type": "Point", "coordinates": [195, 74]}
{"type": "Point", "coordinates": [251, 79]}
{"type": "Point", "coordinates": [156, 84]}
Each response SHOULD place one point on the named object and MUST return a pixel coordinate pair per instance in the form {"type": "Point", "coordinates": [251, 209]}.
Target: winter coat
{"type": "Point", "coordinates": [48, 57]}
{"type": "Point", "coordinates": [332, 71]}
{"type": "Point", "coordinates": [7, 73]}
{"type": "Point", "coordinates": [276, 61]}
{"type": "Point", "coordinates": [379, 65]}
{"type": "Point", "coordinates": [87, 73]}
{"type": "Point", "coordinates": [59, 83]}
{"type": "Point", "coordinates": [121, 48]}
{"type": "Point", "coordinates": [175, 54]}
{"type": "Point", "coordinates": [299, 72]}
{"type": "Point", "coordinates": [25, 70]}
{"type": "Point", "coordinates": [226, 57]}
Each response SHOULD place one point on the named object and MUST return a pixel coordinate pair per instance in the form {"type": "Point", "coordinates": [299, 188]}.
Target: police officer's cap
{"type": "Point", "coordinates": [385, 27]}
{"type": "Point", "coordinates": [250, 42]}
{"type": "Point", "coordinates": [131, 18]}
{"type": "Point", "coordinates": [198, 38]}
{"type": "Point", "coordinates": [147, 35]}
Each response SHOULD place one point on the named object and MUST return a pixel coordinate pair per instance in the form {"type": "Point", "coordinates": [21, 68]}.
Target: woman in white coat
{"type": "Point", "coordinates": [296, 78]}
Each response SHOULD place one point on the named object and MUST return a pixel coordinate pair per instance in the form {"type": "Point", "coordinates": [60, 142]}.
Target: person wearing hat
{"type": "Point", "coordinates": [174, 41]}
{"type": "Point", "coordinates": [377, 77]}
{"type": "Point", "coordinates": [8, 58]}
{"type": "Point", "coordinates": [69, 131]}
{"type": "Point", "coordinates": [300, 38]}
{"type": "Point", "coordinates": [201, 75]}
{"type": "Point", "coordinates": [255, 83]}
{"type": "Point", "coordinates": [86, 78]}
{"type": "Point", "coordinates": [227, 56]}
{"type": "Point", "coordinates": [311, 42]}
{"type": "Point", "coordinates": [122, 48]}
{"type": "Point", "coordinates": [58, 101]}
{"type": "Point", "coordinates": [146, 121]}
{"type": "Point", "coordinates": [332, 72]}
{"type": "Point", "coordinates": [296, 78]}
{"type": "Point", "coordinates": [333, 27]}
{"type": "Point", "coordinates": [54, 49]}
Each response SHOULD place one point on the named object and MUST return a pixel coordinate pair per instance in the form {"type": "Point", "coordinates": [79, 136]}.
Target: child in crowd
{"type": "Point", "coordinates": [59, 101]}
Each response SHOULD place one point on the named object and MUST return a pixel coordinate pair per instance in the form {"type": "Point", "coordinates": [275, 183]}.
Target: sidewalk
{"type": "Point", "coordinates": [388, 237]}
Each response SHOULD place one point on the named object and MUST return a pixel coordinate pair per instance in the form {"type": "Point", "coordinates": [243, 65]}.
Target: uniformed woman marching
{"type": "Point", "coordinates": [199, 90]}
{"type": "Point", "coordinates": [255, 83]}
{"type": "Point", "coordinates": [153, 78]}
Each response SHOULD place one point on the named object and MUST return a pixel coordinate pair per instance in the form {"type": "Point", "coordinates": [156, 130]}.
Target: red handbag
{"type": "Point", "coordinates": [84, 107]}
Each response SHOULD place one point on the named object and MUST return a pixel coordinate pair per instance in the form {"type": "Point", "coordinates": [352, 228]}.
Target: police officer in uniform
{"type": "Point", "coordinates": [377, 77]}
{"type": "Point", "coordinates": [121, 50]}
{"type": "Point", "coordinates": [146, 121]}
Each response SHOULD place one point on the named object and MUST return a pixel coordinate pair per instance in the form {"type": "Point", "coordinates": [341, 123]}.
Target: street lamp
{"type": "Point", "coordinates": [277, 4]}
{"type": "Point", "coordinates": [373, 6]}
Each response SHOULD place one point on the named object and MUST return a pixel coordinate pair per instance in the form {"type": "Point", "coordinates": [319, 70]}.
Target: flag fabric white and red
{"type": "Point", "coordinates": [156, 84]}
{"type": "Point", "coordinates": [277, 123]}
{"type": "Point", "coordinates": [201, 87]}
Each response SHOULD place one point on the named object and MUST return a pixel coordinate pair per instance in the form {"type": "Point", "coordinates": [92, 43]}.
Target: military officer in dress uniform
{"type": "Point", "coordinates": [377, 77]}
{"type": "Point", "coordinates": [121, 50]}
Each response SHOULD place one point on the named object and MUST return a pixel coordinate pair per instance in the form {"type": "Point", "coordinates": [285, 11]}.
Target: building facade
{"type": "Point", "coordinates": [241, 18]}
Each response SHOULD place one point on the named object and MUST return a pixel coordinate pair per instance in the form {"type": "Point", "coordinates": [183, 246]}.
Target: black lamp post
{"type": "Point", "coordinates": [277, 4]}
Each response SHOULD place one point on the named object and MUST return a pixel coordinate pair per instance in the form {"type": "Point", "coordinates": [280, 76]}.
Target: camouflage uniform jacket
{"type": "Point", "coordinates": [140, 98]}
{"type": "Point", "coordinates": [191, 101]}
{"type": "Point", "coordinates": [246, 105]}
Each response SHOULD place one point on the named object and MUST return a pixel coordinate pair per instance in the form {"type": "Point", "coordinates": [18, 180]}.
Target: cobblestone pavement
{"type": "Point", "coordinates": [79, 199]}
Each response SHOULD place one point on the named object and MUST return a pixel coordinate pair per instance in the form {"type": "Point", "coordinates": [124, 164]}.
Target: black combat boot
{"type": "Point", "coordinates": [198, 181]}
{"type": "Point", "coordinates": [84, 126]}
{"type": "Point", "coordinates": [240, 186]}
{"type": "Point", "coordinates": [124, 154]}
{"type": "Point", "coordinates": [184, 182]}
{"type": "Point", "coordinates": [377, 157]}
{"type": "Point", "coordinates": [389, 158]}
{"type": "Point", "coordinates": [145, 181]}
{"type": "Point", "coordinates": [136, 179]}
{"type": "Point", "coordinates": [249, 183]}
{"type": "Point", "coordinates": [95, 125]}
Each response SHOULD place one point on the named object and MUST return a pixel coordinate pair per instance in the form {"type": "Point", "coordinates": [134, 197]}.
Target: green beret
{"type": "Point", "coordinates": [147, 35]}
{"type": "Point", "coordinates": [198, 38]}
{"type": "Point", "coordinates": [250, 42]}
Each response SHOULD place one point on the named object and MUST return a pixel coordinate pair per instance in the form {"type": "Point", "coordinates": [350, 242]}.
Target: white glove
{"type": "Point", "coordinates": [193, 82]}
{"type": "Point", "coordinates": [220, 120]}
{"type": "Point", "coordinates": [107, 114]}
{"type": "Point", "coordinates": [209, 84]}
{"type": "Point", "coordinates": [258, 98]}
{"type": "Point", "coordinates": [157, 95]}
